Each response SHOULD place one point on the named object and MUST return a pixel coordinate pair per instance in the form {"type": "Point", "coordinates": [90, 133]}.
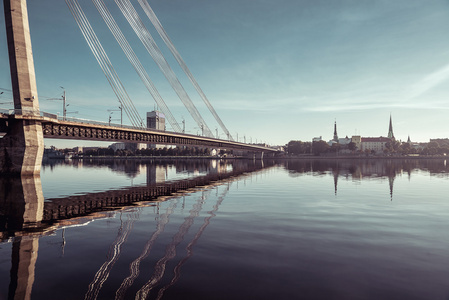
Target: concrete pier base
{"type": "Point", "coordinates": [22, 148]}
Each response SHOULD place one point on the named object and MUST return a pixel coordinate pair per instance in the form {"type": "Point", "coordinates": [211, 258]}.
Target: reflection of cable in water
{"type": "Point", "coordinates": [134, 266]}
{"type": "Point", "coordinates": [192, 243]}
{"type": "Point", "coordinates": [170, 251]}
{"type": "Point", "coordinates": [63, 242]}
{"type": "Point", "coordinates": [113, 255]}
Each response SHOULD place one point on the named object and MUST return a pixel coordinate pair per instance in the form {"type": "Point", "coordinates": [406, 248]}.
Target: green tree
{"type": "Point", "coordinates": [335, 148]}
{"type": "Point", "coordinates": [298, 147]}
{"type": "Point", "coordinates": [319, 147]}
{"type": "Point", "coordinates": [405, 148]}
{"type": "Point", "coordinates": [352, 146]}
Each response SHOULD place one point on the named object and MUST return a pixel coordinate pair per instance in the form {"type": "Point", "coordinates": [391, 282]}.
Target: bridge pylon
{"type": "Point", "coordinates": [22, 147]}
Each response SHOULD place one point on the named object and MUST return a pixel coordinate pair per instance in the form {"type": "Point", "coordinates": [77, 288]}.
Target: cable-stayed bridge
{"type": "Point", "coordinates": [25, 126]}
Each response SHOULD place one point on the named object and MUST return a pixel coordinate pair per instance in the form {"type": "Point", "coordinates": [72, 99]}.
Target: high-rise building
{"type": "Point", "coordinates": [156, 120]}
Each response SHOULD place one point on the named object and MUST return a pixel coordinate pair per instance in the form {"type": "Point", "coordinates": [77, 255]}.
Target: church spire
{"type": "Point", "coordinates": [335, 132]}
{"type": "Point", "coordinates": [390, 130]}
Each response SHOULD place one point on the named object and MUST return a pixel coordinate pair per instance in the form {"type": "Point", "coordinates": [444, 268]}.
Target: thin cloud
{"type": "Point", "coordinates": [370, 106]}
{"type": "Point", "coordinates": [429, 82]}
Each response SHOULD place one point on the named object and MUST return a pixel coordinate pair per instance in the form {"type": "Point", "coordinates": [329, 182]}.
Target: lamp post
{"type": "Point", "coordinates": [64, 108]}
{"type": "Point", "coordinates": [202, 129]}
{"type": "Point", "coordinates": [121, 114]}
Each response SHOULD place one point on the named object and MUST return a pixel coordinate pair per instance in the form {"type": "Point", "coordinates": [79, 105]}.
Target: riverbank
{"type": "Point", "coordinates": [365, 157]}
{"type": "Point", "coordinates": [302, 157]}
{"type": "Point", "coordinates": [153, 157]}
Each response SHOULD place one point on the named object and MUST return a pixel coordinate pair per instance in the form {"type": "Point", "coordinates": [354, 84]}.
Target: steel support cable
{"type": "Point", "coordinates": [96, 54]}
{"type": "Point", "coordinates": [129, 106]}
{"type": "Point", "coordinates": [104, 62]}
{"type": "Point", "coordinates": [123, 95]}
{"type": "Point", "coordinates": [132, 57]}
{"type": "Point", "coordinates": [92, 45]}
{"type": "Point", "coordinates": [160, 29]}
{"type": "Point", "coordinates": [136, 63]}
{"type": "Point", "coordinates": [149, 43]}
{"type": "Point", "coordinates": [147, 40]}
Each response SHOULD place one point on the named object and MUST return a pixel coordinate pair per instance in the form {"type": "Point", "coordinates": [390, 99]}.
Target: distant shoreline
{"type": "Point", "coordinates": [365, 157]}
{"type": "Point", "coordinates": [153, 157]}
{"type": "Point", "coordinates": [301, 157]}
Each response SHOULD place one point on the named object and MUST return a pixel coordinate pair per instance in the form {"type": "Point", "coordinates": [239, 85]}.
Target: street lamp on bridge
{"type": "Point", "coordinates": [202, 129]}
{"type": "Point", "coordinates": [110, 118]}
{"type": "Point", "coordinates": [120, 108]}
{"type": "Point", "coordinates": [183, 125]}
{"type": "Point", "coordinates": [64, 106]}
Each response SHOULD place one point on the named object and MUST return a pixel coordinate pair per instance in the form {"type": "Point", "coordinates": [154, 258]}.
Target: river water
{"type": "Point", "coordinates": [294, 229]}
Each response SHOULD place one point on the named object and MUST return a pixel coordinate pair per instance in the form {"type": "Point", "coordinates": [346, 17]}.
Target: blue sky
{"type": "Point", "coordinates": [275, 71]}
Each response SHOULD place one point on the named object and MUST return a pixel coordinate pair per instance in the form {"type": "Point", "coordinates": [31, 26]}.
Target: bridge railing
{"type": "Point", "coordinates": [25, 111]}
{"type": "Point", "coordinates": [70, 119]}
{"type": "Point", "coordinates": [76, 120]}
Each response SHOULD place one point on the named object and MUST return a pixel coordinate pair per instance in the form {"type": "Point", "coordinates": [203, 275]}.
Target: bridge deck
{"type": "Point", "coordinates": [79, 129]}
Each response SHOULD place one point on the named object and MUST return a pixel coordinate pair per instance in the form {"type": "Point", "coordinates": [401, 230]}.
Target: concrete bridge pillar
{"type": "Point", "coordinates": [255, 155]}
{"type": "Point", "coordinates": [22, 147]}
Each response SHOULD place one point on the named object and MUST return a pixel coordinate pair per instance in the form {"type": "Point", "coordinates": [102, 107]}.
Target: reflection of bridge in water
{"type": "Point", "coordinates": [23, 204]}
{"type": "Point", "coordinates": [25, 217]}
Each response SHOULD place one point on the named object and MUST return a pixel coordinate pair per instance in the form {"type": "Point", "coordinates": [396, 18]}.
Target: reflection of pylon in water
{"type": "Point", "coordinates": [189, 248]}
{"type": "Point", "coordinates": [113, 255]}
{"type": "Point", "coordinates": [170, 251]}
{"type": "Point", "coordinates": [135, 265]}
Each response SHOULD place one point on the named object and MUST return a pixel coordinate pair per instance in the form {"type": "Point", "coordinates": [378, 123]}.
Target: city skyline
{"type": "Point", "coordinates": [274, 72]}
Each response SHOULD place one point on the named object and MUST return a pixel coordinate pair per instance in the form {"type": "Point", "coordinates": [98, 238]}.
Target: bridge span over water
{"type": "Point", "coordinates": [78, 129]}
{"type": "Point", "coordinates": [16, 126]}
{"type": "Point", "coordinates": [25, 126]}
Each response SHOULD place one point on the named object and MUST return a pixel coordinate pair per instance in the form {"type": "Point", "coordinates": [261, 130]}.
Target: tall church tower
{"type": "Point", "coordinates": [390, 130]}
{"type": "Point", "coordinates": [335, 132]}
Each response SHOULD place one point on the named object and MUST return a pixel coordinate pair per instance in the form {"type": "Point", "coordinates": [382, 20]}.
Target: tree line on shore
{"type": "Point", "coordinates": [166, 151]}
{"type": "Point", "coordinates": [295, 147]}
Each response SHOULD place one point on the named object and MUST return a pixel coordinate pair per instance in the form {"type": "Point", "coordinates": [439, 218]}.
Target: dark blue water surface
{"type": "Point", "coordinates": [296, 229]}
